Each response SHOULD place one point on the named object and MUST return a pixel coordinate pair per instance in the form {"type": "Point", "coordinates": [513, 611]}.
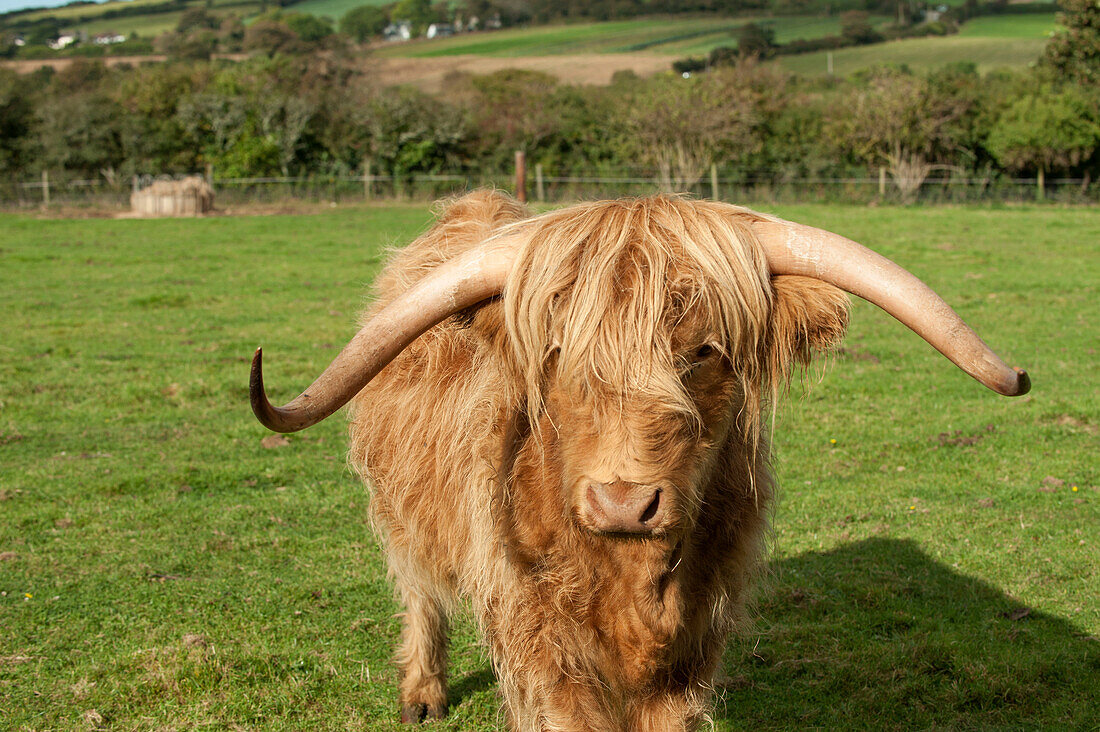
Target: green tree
{"type": "Point", "coordinates": [511, 109]}
{"type": "Point", "coordinates": [1045, 131]}
{"type": "Point", "coordinates": [682, 126]}
{"type": "Point", "coordinates": [364, 22]}
{"type": "Point", "coordinates": [902, 120]}
{"type": "Point", "coordinates": [310, 28]}
{"type": "Point", "coordinates": [271, 36]}
{"type": "Point", "coordinates": [16, 120]}
{"type": "Point", "coordinates": [855, 26]}
{"type": "Point", "coordinates": [1075, 51]}
{"type": "Point", "coordinates": [196, 17]}
{"type": "Point", "coordinates": [409, 131]}
{"type": "Point", "coordinates": [756, 40]}
{"type": "Point", "coordinates": [419, 13]}
{"type": "Point", "coordinates": [82, 133]}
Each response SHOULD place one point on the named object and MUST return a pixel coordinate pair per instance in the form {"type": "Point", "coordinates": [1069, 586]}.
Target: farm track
{"type": "Point", "coordinates": [26, 66]}
{"type": "Point", "coordinates": [584, 68]}
{"type": "Point", "coordinates": [430, 74]}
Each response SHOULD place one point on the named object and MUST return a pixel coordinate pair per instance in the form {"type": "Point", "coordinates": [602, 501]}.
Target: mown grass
{"type": "Point", "coordinates": [162, 568]}
{"type": "Point", "coordinates": [334, 9]}
{"type": "Point", "coordinates": [146, 26]}
{"type": "Point", "coordinates": [672, 36]}
{"type": "Point", "coordinates": [989, 42]}
{"type": "Point", "coordinates": [76, 11]}
{"type": "Point", "coordinates": [1010, 26]}
{"type": "Point", "coordinates": [922, 53]}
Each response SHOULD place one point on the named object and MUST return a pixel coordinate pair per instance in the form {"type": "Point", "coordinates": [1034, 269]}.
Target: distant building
{"type": "Point", "coordinates": [399, 30]}
{"type": "Point", "coordinates": [19, 41]}
{"type": "Point", "coordinates": [62, 41]}
{"type": "Point", "coordinates": [440, 30]}
{"type": "Point", "coordinates": [107, 39]}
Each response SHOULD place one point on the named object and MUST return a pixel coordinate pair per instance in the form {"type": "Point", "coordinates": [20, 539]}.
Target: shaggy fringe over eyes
{"type": "Point", "coordinates": [604, 283]}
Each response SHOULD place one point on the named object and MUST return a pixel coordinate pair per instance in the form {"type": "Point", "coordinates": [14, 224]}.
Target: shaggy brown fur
{"type": "Point", "coordinates": [636, 340]}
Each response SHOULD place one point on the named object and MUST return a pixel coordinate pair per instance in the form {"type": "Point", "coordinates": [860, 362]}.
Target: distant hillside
{"type": "Point", "coordinates": [988, 41]}
{"type": "Point", "coordinates": [664, 35]}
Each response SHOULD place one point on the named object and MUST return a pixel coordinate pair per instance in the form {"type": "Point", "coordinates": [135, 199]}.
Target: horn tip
{"type": "Point", "coordinates": [257, 395]}
{"type": "Point", "coordinates": [1023, 383]}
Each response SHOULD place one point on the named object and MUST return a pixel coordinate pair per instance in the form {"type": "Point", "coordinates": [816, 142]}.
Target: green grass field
{"type": "Point", "coordinates": [675, 36]}
{"type": "Point", "coordinates": [147, 26]}
{"type": "Point", "coordinates": [935, 559]}
{"type": "Point", "coordinates": [77, 11]}
{"type": "Point", "coordinates": [1010, 26]}
{"type": "Point", "coordinates": [334, 9]}
{"type": "Point", "coordinates": [922, 54]}
{"type": "Point", "coordinates": [989, 42]}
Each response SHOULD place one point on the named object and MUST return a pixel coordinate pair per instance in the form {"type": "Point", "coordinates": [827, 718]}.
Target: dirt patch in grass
{"type": "Point", "coordinates": [1067, 420]}
{"type": "Point", "coordinates": [958, 437]}
{"type": "Point", "coordinates": [857, 352]}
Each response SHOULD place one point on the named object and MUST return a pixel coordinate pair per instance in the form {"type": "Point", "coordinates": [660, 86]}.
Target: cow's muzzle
{"type": "Point", "coordinates": [624, 508]}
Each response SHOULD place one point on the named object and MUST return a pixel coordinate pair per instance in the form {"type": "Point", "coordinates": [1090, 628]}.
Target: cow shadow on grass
{"type": "Point", "coordinates": [877, 635]}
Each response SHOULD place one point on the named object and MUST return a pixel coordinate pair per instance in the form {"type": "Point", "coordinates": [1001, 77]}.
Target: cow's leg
{"type": "Point", "coordinates": [681, 697]}
{"type": "Point", "coordinates": [671, 711]}
{"type": "Point", "coordinates": [422, 656]}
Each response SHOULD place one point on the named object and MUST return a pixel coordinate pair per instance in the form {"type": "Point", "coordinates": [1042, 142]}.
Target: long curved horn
{"type": "Point", "coordinates": [453, 286]}
{"type": "Point", "coordinates": [803, 250]}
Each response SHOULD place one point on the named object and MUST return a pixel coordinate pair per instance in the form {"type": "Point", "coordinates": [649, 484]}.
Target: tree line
{"type": "Point", "coordinates": [326, 112]}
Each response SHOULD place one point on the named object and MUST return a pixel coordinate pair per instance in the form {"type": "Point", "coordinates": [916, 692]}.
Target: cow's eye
{"type": "Point", "coordinates": [704, 352]}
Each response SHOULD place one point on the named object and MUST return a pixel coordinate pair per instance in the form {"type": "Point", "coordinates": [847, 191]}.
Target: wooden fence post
{"type": "Point", "coordinates": [368, 179]}
{"type": "Point", "coordinates": [882, 181]}
{"type": "Point", "coordinates": [45, 187]}
{"type": "Point", "coordinates": [538, 183]}
{"type": "Point", "coordinates": [714, 181]}
{"type": "Point", "coordinates": [210, 174]}
{"type": "Point", "coordinates": [1040, 194]}
{"type": "Point", "coordinates": [521, 176]}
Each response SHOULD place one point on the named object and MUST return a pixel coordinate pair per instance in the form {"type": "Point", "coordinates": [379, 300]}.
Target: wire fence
{"type": "Point", "coordinates": [57, 190]}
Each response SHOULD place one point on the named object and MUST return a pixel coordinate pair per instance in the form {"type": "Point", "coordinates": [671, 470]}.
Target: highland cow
{"type": "Point", "coordinates": [560, 418]}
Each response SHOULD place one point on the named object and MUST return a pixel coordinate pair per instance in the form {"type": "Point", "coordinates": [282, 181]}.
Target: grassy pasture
{"type": "Point", "coordinates": [334, 9]}
{"type": "Point", "coordinates": [922, 53]}
{"type": "Point", "coordinates": [77, 11]}
{"type": "Point", "coordinates": [1010, 26]}
{"type": "Point", "coordinates": [990, 42]}
{"type": "Point", "coordinates": [147, 26]}
{"type": "Point", "coordinates": [675, 36]}
{"type": "Point", "coordinates": [161, 568]}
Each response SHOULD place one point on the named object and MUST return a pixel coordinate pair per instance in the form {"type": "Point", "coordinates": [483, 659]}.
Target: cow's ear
{"type": "Point", "coordinates": [808, 316]}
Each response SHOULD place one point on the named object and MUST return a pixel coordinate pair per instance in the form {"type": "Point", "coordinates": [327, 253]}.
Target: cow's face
{"type": "Point", "coordinates": [638, 422]}
{"type": "Point", "coordinates": [645, 335]}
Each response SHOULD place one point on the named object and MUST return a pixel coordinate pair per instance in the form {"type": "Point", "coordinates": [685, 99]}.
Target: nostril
{"type": "Point", "coordinates": [623, 507]}
{"type": "Point", "coordinates": [651, 509]}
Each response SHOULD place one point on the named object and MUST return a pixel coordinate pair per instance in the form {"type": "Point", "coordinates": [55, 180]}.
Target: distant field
{"type": "Point", "coordinates": [934, 563]}
{"type": "Point", "coordinates": [146, 26]}
{"type": "Point", "coordinates": [1010, 26]}
{"type": "Point", "coordinates": [671, 36]}
{"type": "Point", "coordinates": [990, 42]}
{"type": "Point", "coordinates": [614, 37]}
{"type": "Point", "coordinates": [334, 9]}
{"type": "Point", "coordinates": [922, 53]}
{"type": "Point", "coordinates": [83, 10]}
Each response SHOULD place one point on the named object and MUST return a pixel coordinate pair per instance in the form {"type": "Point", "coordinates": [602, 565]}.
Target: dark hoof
{"type": "Point", "coordinates": [417, 713]}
